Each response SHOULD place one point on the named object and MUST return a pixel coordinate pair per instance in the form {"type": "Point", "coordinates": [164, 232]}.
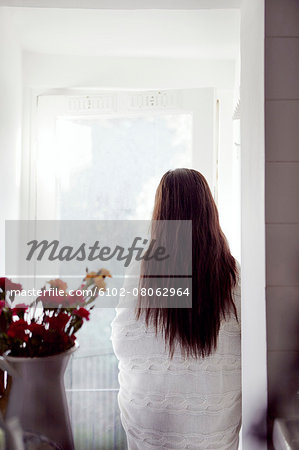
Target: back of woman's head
{"type": "Point", "coordinates": [184, 194]}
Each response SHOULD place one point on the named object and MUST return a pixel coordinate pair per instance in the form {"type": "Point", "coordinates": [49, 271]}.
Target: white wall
{"type": "Point", "coordinates": [228, 186]}
{"type": "Point", "coordinates": [128, 4]}
{"type": "Point", "coordinates": [10, 124]}
{"type": "Point", "coordinates": [254, 370]}
{"type": "Point", "coordinates": [66, 71]}
{"type": "Point", "coordinates": [51, 74]}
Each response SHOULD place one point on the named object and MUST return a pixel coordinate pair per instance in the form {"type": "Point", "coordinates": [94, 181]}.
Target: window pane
{"type": "Point", "coordinates": [109, 168]}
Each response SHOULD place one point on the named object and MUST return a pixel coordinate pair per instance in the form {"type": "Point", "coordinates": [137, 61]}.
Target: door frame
{"type": "Point", "coordinates": [254, 356]}
{"type": "Point", "coordinates": [253, 292]}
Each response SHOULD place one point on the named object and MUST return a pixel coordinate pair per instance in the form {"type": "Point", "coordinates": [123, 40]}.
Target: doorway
{"type": "Point", "coordinates": [40, 79]}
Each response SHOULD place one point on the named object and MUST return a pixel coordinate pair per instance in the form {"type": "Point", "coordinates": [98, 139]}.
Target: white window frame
{"type": "Point", "coordinates": [201, 103]}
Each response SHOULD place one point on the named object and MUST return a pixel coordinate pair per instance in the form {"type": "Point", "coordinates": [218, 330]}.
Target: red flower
{"type": "Point", "coordinates": [8, 285]}
{"type": "Point", "coordinates": [58, 322]}
{"type": "Point", "coordinates": [37, 329]}
{"type": "Point", "coordinates": [16, 330]}
{"type": "Point", "coordinates": [20, 308]}
{"type": "Point", "coordinates": [71, 301]}
{"type": "Point", "coordinates": [65, 338]}
{"type": "Point", "coordinates": [2, 305]}
{"type": "Point", "coordinates": [52, 299]}
{"type": "Point", "coordinates": [82, 312]}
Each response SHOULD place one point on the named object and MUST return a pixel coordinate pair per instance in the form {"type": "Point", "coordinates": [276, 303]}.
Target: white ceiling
{"type": "Point", "coordinates": [204, 34]}
{"type": "Point", "coordinates": [125, 4]}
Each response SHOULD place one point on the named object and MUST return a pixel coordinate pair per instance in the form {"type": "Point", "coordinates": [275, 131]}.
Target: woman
{"type": "Point", "coordinates": [180, 369]}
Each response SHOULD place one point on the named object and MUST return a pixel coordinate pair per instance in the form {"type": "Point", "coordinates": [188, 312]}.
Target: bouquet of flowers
{"type": "Point", "coordinates": [49, 324]}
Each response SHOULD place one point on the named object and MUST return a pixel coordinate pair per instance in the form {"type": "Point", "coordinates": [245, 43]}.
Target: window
{"type": "Point", "coordinates": [104, 173]}
{"type": "Point", "coordinates": [102, 157]}
{"type": "Point", "coordinates": [109, 168]}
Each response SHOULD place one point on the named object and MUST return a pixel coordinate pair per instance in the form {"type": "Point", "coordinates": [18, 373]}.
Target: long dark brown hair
{"type": "Point", "coordinates": [184, 194]}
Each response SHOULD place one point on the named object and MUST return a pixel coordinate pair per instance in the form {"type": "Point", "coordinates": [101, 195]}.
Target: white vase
{"type": "Point", "coordinates": [37, 396]}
